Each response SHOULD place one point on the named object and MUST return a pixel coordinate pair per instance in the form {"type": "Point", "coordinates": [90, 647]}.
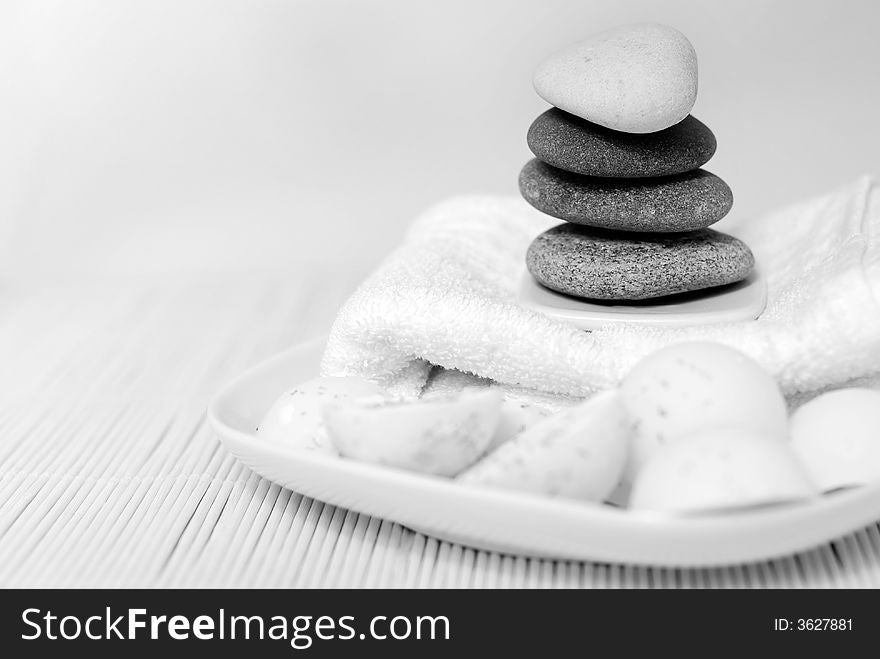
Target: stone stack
{"type": "Point", "coordinates": [618, 159]}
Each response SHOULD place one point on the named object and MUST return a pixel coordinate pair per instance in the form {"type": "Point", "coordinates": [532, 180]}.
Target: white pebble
{"type": "Point", "coordinates": [636, 78]}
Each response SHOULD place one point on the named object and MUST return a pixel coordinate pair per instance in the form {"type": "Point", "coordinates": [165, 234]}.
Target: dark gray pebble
{"type": "Point", "coordinates": [609, 265]}
{"type": "Point", "coordinates": [684, 202]}
{"type": "Point", "coordinates": [577, 145]}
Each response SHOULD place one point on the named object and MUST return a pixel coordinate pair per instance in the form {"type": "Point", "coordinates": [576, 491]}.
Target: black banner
{"type": "Point", "coordinates": [287, 623]}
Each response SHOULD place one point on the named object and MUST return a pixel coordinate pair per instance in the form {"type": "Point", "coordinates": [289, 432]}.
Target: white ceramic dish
{"type": "Point", "coordinates": [512, 522]}
{"type": "Point", "coordinates": [744, 300]}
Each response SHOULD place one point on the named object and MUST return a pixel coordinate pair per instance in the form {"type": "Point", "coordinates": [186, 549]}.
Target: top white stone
{"type": "Point", "coordinates": [635, 78]}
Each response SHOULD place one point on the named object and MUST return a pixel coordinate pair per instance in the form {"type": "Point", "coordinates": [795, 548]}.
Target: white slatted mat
{"type": "Point", "coordinates": [109, 475]}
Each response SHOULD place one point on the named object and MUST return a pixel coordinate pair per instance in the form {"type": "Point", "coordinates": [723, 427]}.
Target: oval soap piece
{"type": "Point", "coordinates": [837, 437]}
{"type": "Point", "coordinates": [720, 469]}
{"type": "Point", "coordinates": [296, 418]}
{"type": "Point", "coordinates": [689, 387]}
{"type": "Point", "coordinates": [577, 453]}
{"type": "Point", "coordinates": [438, 436]}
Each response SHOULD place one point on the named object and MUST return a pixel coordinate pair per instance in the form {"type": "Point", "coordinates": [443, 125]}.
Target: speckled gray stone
{"type": "Point", "coordinates": [577, 145]}
{"type": "Point", "coordinates": [609, 265]}
{"type": "Point", "coordinates": [684, 202]}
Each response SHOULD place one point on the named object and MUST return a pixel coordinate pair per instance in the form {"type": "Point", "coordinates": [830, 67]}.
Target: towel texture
{"type": "Point", "coordinates": [447, 297]}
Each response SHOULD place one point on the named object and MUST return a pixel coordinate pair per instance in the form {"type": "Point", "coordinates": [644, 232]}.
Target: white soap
{"type": "Point", "coordinates": [296, 420]}
{"type": "Point", "coordinates": [439, 436]}
{"type": "Point", "coordinates": [720, 469]}
{"type": "Point", "coordinates": [837, 437]}
{"type": "Point", "coordinates": [689, 387]}
{"type": "Point", "coordinates": [578, 453]}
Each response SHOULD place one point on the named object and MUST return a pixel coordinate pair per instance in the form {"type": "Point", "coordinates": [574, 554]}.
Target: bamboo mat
{"type": "Point", "coordinates": [109, 475]}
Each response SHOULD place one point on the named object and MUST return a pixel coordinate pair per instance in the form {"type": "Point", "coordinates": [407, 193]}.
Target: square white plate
{"type": "Point", "coordinates": [511, 522]}
{"type": "Point", "coordinates": [743, 300]}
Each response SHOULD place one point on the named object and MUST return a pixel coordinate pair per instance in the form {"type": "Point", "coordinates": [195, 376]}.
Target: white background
{"type": "Point", "coordinates": [171, 136]}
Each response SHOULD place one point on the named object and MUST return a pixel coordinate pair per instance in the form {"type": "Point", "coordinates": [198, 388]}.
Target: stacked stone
{"type": "Point", "coordinates": [618, 159]}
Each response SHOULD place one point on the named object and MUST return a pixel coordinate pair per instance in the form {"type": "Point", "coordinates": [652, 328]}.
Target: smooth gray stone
{"type": "Point", "coordinates": [609, 265]}
{"type": "Point", "coordinates": [684, 202]}
{"type": "Point", "coordinates": [577, 145]}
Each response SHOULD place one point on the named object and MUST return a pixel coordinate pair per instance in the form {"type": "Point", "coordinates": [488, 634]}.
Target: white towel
{"type": "Point", "coordinates": [447, 297]}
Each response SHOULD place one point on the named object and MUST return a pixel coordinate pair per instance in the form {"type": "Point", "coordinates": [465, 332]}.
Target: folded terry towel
{"type": "Point", "coordinates": [447, 297]}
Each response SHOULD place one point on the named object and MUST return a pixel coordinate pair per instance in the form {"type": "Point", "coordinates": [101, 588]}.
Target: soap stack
{"type": "Point", "coordinates": [618, 158]}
